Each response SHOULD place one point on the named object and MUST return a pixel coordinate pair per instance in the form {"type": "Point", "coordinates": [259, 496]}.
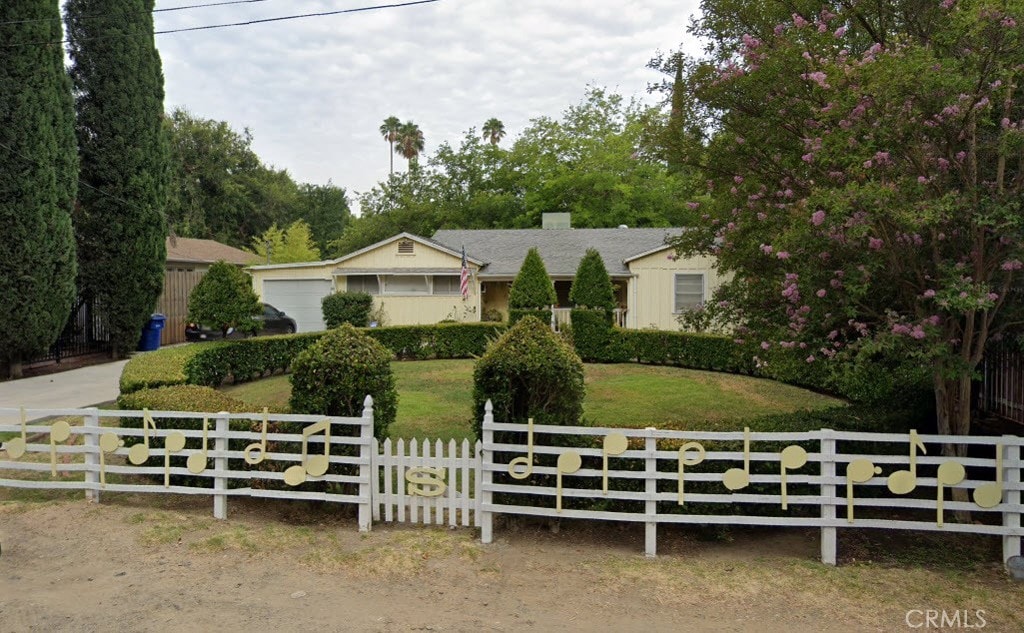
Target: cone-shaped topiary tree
{"type": "Point", "coordinates": [592, 287]}
{"type": "Point", "coordinates": [532, 290]}
{"type": "Point", "coordinates": [594, 300]}
{"type": "Point", "coordinates": [224, 299]}
{"type": "Point", "coordinates": [335, 374]}
{"type": "Point", "coordinates": [530, 372]}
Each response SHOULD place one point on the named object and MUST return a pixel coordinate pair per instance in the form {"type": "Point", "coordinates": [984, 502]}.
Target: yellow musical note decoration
{"type": "Point", "coordinates": [173, 443]}
{"type": "Point", "coordinates": [792, 457]}
{"type": "Point", "coordinates": [426, 482]}
{"type": "Point", "coordinates": [17, 446]}
{"type": "Point", "coordinates": [526, 462]}
{"type": "Point", "coordinates": [260, 446]}
{"type": "Point", "coordinates": [736, 478]}
{"type": "Point", "coordinates": [858, 471]}
{"type": "Point", "coordinates": [312, 466]}
{"type": "Point", "coordinates": [949, 474]}
{"type": "Point", "coordinates": [197, 461]}
{"type": "Point", "coordinates": [109, 442]}
{"type": "Point", "coordinates": [139, 453]}
{"type": "Point", "coordinates": [683, 462]}
{"type": "Point", "coordinates": [568, 463]}
{"type": "Point", "coordinates": [991, 495]}
{"type": "Point", "coordinates": [60, 431]}
{"type": "Point", "coordinates": [903, 481]}
{"type": "Point", "coordinates": [614, 444]}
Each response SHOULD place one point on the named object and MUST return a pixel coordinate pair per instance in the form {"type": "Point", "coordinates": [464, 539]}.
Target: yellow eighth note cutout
{"type": "Point", "coordinates": [858, 471]}
{"type": "Point", "coordinates": [59, 432]}
{"type": "Point", "coordinates": [316, 465]}
{"type": "Point", "coordinates": [614, 444]}
{"type": "Point", "coordinates": [17, 446]}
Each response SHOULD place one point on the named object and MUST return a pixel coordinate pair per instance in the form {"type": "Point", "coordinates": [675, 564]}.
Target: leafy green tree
{"type": "Point", "coordinates": [493, 131]}
{"type": "Point", "coordinates": [38, 182]}
{"type": "Point", "coordinates": [325, 208]}
{"type": "Point", "coordinates": [532, 289]}
{"type": "Point", "coordinates": [872, 179]}
{"type": "Point", "coordinates": [410, 142]}
{"type": "Point", "coordinates": [120, 222]}
{"type": "Point", "coordinates": [592, 287]}
{"type": "Point", "coordinates": [389, 130]}
{"type": "Point", "coordinates": [224, 299]}
{"type": "Point", "coordinates": [285, 246]}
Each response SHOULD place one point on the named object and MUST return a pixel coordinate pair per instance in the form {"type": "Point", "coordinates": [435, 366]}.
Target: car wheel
{"type": "Point", "coordinates": [289, 329]}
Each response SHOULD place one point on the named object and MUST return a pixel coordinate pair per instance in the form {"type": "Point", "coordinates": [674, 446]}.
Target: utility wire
{"type": "Point", "coordinates": [103, 15]}
{"type": "Point", "coordinates": [245, 23]}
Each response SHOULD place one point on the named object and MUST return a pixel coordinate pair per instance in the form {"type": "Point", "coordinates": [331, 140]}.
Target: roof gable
{"type": "Point", "coordinates": [187, 249]}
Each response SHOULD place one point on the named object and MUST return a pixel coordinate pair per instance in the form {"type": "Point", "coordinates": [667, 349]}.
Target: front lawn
{"type": "Point", "coordinates": [436, 397]}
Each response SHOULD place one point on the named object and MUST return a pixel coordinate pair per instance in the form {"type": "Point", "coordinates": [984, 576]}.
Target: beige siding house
{"type": "Point", "coordinates": [415, 280]}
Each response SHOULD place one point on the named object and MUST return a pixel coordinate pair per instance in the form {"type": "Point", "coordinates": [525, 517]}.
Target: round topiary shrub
{"type": "Point", "coordinates": [335, 374]}
{"type": "Point", "coordinates": [529, 372]}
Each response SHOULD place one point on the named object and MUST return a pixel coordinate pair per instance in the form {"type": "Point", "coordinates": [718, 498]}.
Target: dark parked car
{"type": "Point", "coordinates": [272, 321]}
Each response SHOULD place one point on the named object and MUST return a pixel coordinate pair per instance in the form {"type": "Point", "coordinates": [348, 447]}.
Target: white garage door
{"type": "Point", "coordinates": [299, 299]}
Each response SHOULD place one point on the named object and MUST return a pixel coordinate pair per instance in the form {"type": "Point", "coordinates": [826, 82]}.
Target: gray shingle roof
{"type": "Point", "coordinates": [561, 249]}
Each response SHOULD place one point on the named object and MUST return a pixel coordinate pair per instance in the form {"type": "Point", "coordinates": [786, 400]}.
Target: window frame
{"type": "Point", "coordinates": [676, 309]}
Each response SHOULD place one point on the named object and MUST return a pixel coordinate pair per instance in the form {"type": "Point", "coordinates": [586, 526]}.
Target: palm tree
{"type": "Point", "coordinates": [389, 130]}
{"type": "Point", "coordinates": [410, 141]}
{"type": "Point", "coordinates": [493, 130]}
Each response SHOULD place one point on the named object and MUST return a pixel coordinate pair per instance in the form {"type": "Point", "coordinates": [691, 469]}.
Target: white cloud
{"type": "Point", "coordinates": [314, 91]}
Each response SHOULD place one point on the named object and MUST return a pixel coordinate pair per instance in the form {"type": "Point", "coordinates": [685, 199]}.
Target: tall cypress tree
{"type": "Point", "coordinates": [119, 98]}
{"type": "Point", "coordinates": [38, 180]}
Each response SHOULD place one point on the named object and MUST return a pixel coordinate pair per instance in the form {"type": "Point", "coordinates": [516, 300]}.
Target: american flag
{"type": "Point", "coordinates": [464, 276]}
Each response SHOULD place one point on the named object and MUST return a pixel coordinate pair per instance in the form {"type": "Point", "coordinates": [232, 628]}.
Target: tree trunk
{"type": "Point", "coordinates": [953, 410]}
{"type": "Point", "coordinates": [14, 369]}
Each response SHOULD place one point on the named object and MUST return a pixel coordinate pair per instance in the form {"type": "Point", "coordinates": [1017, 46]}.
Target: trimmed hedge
{"type": "Point", "coordinates": [444, 340]}
{"type": "Point", "coordinates": [517, 314]}
{"type": "Point", "coordinates": [685, 349]}
{"type": "Point", "coordinates": [157, 369]}
{"type": "Point", "coordinates": [182, 398]}
{"type": "Point", "coordinates": [594, 337]}
{"type": "Point", "coordinates": [347, 307]}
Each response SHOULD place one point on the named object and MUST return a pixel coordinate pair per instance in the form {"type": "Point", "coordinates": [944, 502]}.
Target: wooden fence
{"type": "Point", "coordinates": [823, 479]}
{"type": "Point", "coordinates": [173, 302]}
{"type": "Point", "coordinates": [1002, 386]}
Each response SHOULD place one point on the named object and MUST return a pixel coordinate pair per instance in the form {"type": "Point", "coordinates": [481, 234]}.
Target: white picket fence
{"type": "Point", "coordinates": [641, 475]}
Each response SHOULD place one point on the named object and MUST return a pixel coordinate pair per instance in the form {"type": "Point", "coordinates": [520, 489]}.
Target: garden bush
{"type": "Point", "coordinates": [224, 299]}
{"type": "Point", "coordinates": [347, 307]}
{"type": "Point", "coordinates": [532, 293]}
{"type": "Point", "coordinates": [157, 369]}
{"type": "Point", "coordinates": [445, 340]}
{"type": "Point", "coordinates": [592, 287]}
{"type": "Point", "coordinates": [685, 349]}
{"type": "Point", "coordinates": [334, 376]}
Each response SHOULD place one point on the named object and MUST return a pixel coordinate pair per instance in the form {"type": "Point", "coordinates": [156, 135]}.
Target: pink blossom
{"type": "Point", "coordinates": [922, 180]}
{"type": "Point", "coordinates": [762, 216]}
{"type": "Point", "coordinates": [947, 4]}
{"type": "Point", "coordinates": [1009, 22]}
{"type": "Point", "coordinates": [961, 155]}
{"type": "Point", "coordinates": [810, 359]}
{"type": "Point", "coordinates": [1013, 264]}
{"type": "Point", "coordinates": [821, 293]}
{"type": "Point", "coordinates": [882, 158]}
{"type": "Point", "coordinates": [993, 296]}
{"type": "Point", "coordinates": [738, 179]}
{"type": "Point", "coordinates": [692, 205]}
{"type": "Point", "coordinates": [917, 333]}
{"type": "Point", "coordinates": [799, 21]}
{"type": "Point", "coordinates": [874, 243]}
{"type": "Point", "coordinates": [817, 77]}
{"type": "Point", "coordinates": [766, 249]}
{"type": "Point", "coordinates": [740, 140]}
{"type": "Point", "coordinates": [875, 49]}
{"type": "Point", "coordinates": [779, 29]}
{"type": "Point", "coordinates": [817, 217]}
{"type": "Point", "coordinates": [782, 255]}
{"type": "Point", "coordinates": [928, 294]}
{"type": "Point", "coordinates": [765, 345]}
{"type": "Point", "coordinates": [841, 31]}
{"type": "Point", "coordinates": [933, 320]}
{"type": "Point", "coordinates": [807, 158]}
{"type": "Point", "coordinates": [867, 164]}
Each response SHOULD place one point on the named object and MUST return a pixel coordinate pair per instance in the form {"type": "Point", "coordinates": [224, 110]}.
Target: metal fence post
{"type": "Point", "coordinates": [91, 431]}
{"type": "Point", "coordinates": [486, 516]}
{"type": "Point", "coordinates": [220, 465]}
{"type": "Point", "coordinates": [651, 491]}
{"type": "Point", "coordinates": [827, 495]}
{"type": "Point", "coordinates": [1011, 519]}
{"type": "Point", "coordinates": [366, 468]}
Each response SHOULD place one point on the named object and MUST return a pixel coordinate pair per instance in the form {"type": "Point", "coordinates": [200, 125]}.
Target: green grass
{"type": "Point", "coordinates": [436, 396]}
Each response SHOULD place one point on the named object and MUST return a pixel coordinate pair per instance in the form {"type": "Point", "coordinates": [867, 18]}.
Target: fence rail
{"type": "Point", "coordinates": [560, 317]}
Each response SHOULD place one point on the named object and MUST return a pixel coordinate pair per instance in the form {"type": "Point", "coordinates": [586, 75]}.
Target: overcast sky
{"type": "Point", "coordinates": [314, 91]}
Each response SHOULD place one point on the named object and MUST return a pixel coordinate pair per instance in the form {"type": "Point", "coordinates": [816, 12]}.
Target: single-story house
{"type": "Point", "coordinates": [188, 260]}
{"type": "Point", "coordinates": [415, 280]}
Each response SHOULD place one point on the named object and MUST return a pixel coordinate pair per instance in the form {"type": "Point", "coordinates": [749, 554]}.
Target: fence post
{"type": "Point", "coordinates": [486, 517]}
{"type": "Point", "coordinates": [827, 495]}
{"type": "Point", "coordinates": [366, 468]}
{"type": "Point", "coordinates": [651, 491]}
{"type": "Point", "coordinates": [91, 430]}
{"type": "Point", "coordinates": [220, 466]}
{"type": "Point", "coordinates": [1011, 520]}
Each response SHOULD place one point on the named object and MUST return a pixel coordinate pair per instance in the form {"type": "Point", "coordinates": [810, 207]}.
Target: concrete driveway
{"type": "Point", "coordinates": [83, 387]}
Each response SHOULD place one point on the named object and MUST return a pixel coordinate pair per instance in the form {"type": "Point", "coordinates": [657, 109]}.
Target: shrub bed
{"type": "Point", "coordinates": [157, 369]}
{"type": "Point", "coordinates": [685, 349]}
{"type": "Point", "coordinates": [347, 307]}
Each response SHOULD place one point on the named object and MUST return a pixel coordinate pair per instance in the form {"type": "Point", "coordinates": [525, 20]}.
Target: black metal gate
{"type": "Point", "coordinates": [84, 333]}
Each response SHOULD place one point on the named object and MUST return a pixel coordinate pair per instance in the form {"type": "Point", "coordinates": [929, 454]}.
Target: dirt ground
{"type": "Point", "coordinates": [137, 563]}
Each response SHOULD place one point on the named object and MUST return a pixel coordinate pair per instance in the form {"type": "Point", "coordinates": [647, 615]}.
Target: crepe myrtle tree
{"type": "Point", "coordinates": [868, 192]}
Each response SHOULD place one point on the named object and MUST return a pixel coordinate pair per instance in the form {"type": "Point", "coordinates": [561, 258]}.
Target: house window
{"type": "Point", "coordinates": [406, 285]}
{"type": "Point", "coordinates": [363, 283]}
{"type": "Point", "coordinates": [405, 247]}
{"type": "Point", "coordinates": [446, 285]}
{"type": "Point", "coordinates": [689, 291]}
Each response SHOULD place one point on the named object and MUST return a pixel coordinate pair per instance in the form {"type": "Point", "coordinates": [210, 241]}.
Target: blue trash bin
{"type": "Point", "coordinates": [151, 333]}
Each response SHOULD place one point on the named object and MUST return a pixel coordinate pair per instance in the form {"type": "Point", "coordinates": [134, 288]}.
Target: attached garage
{"type": "Point", "coordinates": [299, 299]}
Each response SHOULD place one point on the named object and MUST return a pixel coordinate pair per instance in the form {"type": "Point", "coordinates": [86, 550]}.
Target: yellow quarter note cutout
{"type": "Point", "coordinates": [173, 443]}
{"type": "Point", "coordinates": [139, 453]}
{"type": "Point", "coordinates": [949, 474]}
{"type": "Point", "coordinates": [858, 471]}
{"type": "Point", "coordinates": [197, 461]}
{"type": "Point", "coordinates": [17, 446]}
{"type": "Point", "coordinates": [568, 463]}
{"type": "Point", "coordinates": [59, 432]}
{"type": "Point", "coordinates": [736, 478]}
{"type": "Point", "coordinates": [312, 466]}
{"type": "Point", "coordinates": [793, 457]}
{"type": "Point", "coordinates": [990, 495]}
{"type": "Point", "coordinates": [614, 444]}
{"type": "Point", "coordinates": [109, 442]}
{"type": "Point", "coordinates": [685, 461]}
{"type": "Point", "coordinates": [260, 447]}
{"type": "Point", "coordinates": [903, 481]}
{"type": "Point", "coordinates": [525, 462]}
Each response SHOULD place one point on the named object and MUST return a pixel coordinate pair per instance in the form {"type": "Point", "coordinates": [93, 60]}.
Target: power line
{"type": "Point", "coordinates": [247, 22]}
{"type": "Point", "coordinates": [168, 9]}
